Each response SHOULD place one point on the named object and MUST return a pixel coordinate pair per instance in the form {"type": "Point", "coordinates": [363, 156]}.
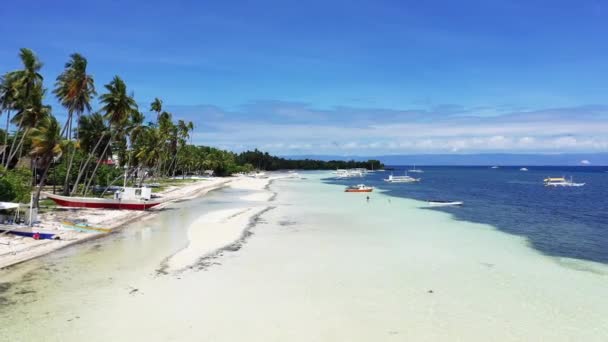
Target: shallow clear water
{"type": "Point", "coordinates": [322, 266]}
{"type": "Point", "coordinates": [565, 222]}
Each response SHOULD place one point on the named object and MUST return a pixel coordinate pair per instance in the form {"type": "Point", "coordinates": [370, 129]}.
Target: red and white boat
{"type": "Point", "coordinates": [359, 188]}
{"type": "Point", "coordinates": [126, 198]}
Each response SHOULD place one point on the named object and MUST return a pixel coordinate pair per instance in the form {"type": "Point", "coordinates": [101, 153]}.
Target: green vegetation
{"type": "Point", "coordinates": [264, 161]}
{"type": "Point", "coordinates": [15, 185]}
{"type": "Point", "coordinates": [106, 145]}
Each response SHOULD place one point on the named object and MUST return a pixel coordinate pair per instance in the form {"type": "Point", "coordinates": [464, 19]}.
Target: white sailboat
{"type": "Point", "coordinates": [415, 170]}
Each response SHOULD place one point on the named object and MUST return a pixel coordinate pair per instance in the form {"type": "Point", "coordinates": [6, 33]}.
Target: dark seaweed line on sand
{"type": "Point", "coordinates": [205, 261]}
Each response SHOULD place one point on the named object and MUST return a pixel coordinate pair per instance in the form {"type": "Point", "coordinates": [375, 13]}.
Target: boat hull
{"type": "Point", "coordinates": [445, 204]}
{"type": "Point", "coordinates": [101, 203]}
{"type": "Point", "coordinates": [27, 232]}
{"type": "Point", "coordinates": [357, 190]}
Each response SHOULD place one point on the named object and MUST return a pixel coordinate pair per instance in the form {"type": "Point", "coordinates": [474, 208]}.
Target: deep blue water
{"type": "Point", "coordinates": [566, 222]}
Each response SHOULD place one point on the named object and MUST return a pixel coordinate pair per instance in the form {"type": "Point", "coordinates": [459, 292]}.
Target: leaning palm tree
{"type": "Point", "coordinates": [24, 83]}
{"type": "Point", "coordinates": [117, 106]}
{"type": "Point", "coordinates": [8, 94]}
{"type": "Point", "coordinates": [28, 117]}
{"type": "Point", "coordinates": [29, 77]}
{"type": "Point", "coordinates": [156, 106]}
{"type": "Point", "coordinates": [47, 144]}
{"type": "Point", "coordinates": [74, 89]}
{"type": "Point", "coordinates": [93, 133]}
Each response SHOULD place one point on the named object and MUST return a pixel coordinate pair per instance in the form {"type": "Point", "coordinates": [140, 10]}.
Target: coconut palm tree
{"type": "Point", "coordinates": [29, 115]}
{"type": "Point", "coordinates": [117, 106]}
{"type": "Point", "coordinates": [8, 94]}
{"type": "Point", "coordinates": [93, 133]}
{"type": "Point", "coordinates": [29, 77]}
{"type": "Point", "coordinates": [156, 106]}
{"type": "Point", "coordinates": [23, 84]}
{"type": "Point", "coordinates": [74, 89]}
{"type": "Point", "coordinates": [47, 144]}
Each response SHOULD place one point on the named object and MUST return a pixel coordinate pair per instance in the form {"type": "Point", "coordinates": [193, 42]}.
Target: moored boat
{"type": "Point", "coordinates": [401, 179]}
{"type": "Point", "coordinates": [359, 188]}
{"type": "Point", "coordinates": [439, 203]}
{"type": "Point", "coordinates": [126, 198]}
{"type": "Point", "coordinates": [415, 170]}
{"type": "Point", "coordinates": [561, 182]}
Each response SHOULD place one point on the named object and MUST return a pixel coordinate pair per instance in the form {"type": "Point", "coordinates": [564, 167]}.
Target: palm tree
{"type": "Point", "coordinates": [47, 144]}
{"type": "Point", "coordinates": [8, 94]}
{"type": "Point", "coordinates": [75, 89]}
{"type": "Point", "coordinates": [29, 115]}
{"type": "Point", "coordinates": [156, 106]}
{"type": "Point", "coordinates": [118, 106]}
{"type": "Point", "coordinates": [93, 133]}
{"type": "Point", "coordinates": [23, 83]}
{"type": "Point", "coordinates": [29, 77]}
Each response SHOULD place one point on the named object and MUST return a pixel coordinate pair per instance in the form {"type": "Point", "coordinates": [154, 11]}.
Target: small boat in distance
{"type": "Point", "coordinates": [415, 170]}
{"type": "Point", "coordinates": [438, 203]}
{"type": "Point", "coordinates": [523, 169]}
{"type": "Point", "coordinates": [359, 188]}
{"type": "Point", "coordinates": [125, 198]}
{"type": "Point", "coordinates": [401, 179]}
{"type": "Point", "coordinates": [494, 167]}
{"type": "Point", "coordinates": [561, 182]}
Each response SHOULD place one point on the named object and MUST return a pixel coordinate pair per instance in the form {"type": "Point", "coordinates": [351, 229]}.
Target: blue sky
{"type": "Point", "coordinates": [345, 77]}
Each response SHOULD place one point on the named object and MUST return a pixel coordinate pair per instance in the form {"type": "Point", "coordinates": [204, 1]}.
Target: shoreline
{"type": "Point", "coordinates": [20, 249]}
{"type": "Point", "coordinates": [221, 230]}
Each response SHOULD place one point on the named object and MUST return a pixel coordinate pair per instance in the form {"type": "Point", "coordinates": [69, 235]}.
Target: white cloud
{"type": "Point", "coordinates": [351, 130]}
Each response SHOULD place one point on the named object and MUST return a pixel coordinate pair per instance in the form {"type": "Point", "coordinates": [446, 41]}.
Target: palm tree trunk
{"type": "Point", "coordinates": [86, 188]}
{"type": "Point", "coordinates": [65, 131]}
{"type": "Point", "coordinates": [13, 153]}
{"type": "Point", "coordinates": [13, 143]}
{"type": "Point", "coordinates": [42, 181]}
{"type": "Point", "coordinates": [8, 119]}
{"type": "Point", "coordinates": [84, 167]}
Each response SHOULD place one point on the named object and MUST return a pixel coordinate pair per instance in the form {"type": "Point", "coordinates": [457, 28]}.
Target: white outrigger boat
{"type": "Point", "coordinates": [436, 203]}
{"type": "Point", "coordinates": [401, 179]}
{"type": "Point", "coordinates": [560, 181]}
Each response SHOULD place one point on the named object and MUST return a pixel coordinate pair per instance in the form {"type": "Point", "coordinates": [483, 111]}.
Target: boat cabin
{"type": "Point", "coordinates": [133, 194]}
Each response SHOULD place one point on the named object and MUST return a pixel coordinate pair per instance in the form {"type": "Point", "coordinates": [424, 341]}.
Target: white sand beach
{"type": "Point", "coordinates": [14, 250]}
{"type": "Point", "coordinates": [322, 265]}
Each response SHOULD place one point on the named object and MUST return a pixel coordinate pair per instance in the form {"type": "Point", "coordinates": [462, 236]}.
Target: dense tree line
{"type": "Point", "coordinates": [265, 161]}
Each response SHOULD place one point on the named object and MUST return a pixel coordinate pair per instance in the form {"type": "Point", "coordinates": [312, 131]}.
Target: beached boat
{"type": "Point", "coordinates": [126, 198]}
{"type": "Point", "coordinates": [359, 188]}
{"type": "Point", "coordinates": [32, 232]}
{"type": "Point", "coordinates": [401, 179]}
{"type": "Point", "coordinates": [437, 203]}
{"type": "Point", "coordinates": [84, 227]}
{"type": "Point", "coordinates": [561, 182]}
